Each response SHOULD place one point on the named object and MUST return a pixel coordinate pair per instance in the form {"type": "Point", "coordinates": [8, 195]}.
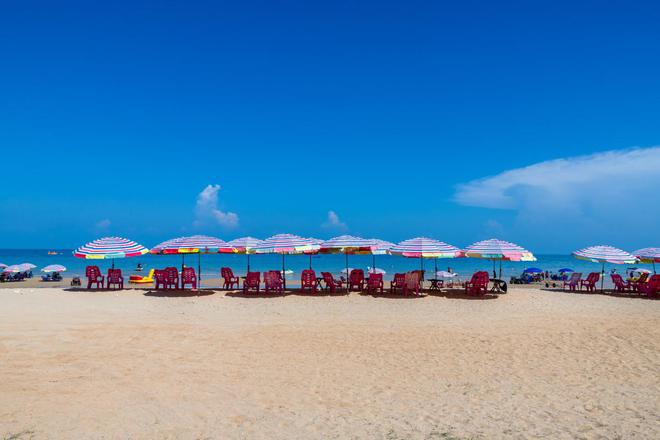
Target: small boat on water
{"type": "Point", "coordinates": [52, 253]}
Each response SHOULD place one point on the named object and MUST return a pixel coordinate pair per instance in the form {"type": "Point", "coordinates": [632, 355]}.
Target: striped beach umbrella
{"type": "Point", "coordinates": [13, 268]}
{"type": "Point", "coordinates": [286, 244]}
{"type": "Point", "coordinates": [648, 255]}
{"type": "Point", "coordinates": [27, 266]}
{"type": "Point", "coordinates": [54, 268]}
{"type": "Point", "coordinates": [498, 250]}
{"type": "Point", "coordinates": [423, 247]}
{"type": "Point", "coordinates": [604, 254]}
{"type": "Point", "coordinates": [195, 244]}
{"type": "Point", "coordinates": [246, 245]}
{"type": "Point", "coordinates": [2, 265]}
{"type": "Point", "coordinates": [347, 244]}
{"type": "Point", "coordinates": [110, 248]}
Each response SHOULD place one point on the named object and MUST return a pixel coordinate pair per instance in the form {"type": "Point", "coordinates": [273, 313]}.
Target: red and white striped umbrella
{"type": "Point", "coordinates": [648, 255]}
{"type": "Point", "coordinates": [193, 245]}
{"type": "Point", "coordinates": [605, 254]}
{"type": "Point", "coordinates": [246, 245]}
{"type": "Point", "coordinates": [422, 247]}
{"type": "Point", "coordinates": [347, 244]}
{"type": "Point", "coordinates": [54, 268]}
{"type": "Point", "coordinates": [110, 247]}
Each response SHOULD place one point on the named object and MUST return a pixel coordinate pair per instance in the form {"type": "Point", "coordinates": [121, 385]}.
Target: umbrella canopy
{"type": "Point", "coordinates": [445, 274]}
{"type": "Point", "coordinates": [495, 249]}
{"type": "Point", "coordinates": [381, 247]}
{"type": "Point", "coordinates": [286, 244]}
{"type": "Point", "coordinates": [110, 247]}
{"type": "Point", "coordinates": [193, 245]}
{"type": "Point", "coordinates": [376, 270]}
{"type": "Point", "coordinates": [54, 268]}
{"type": "Point", "coordinates": [13, 268]}
{"type": "Point", "coordinates": [27, 266]}
{"type": "Point", "coordinates": [422, 247]}
{"type": "Point", "coordinates": [565, 269]}
{"type": "Point", "coordinates": [532, 270]}
{"type": "Point", "coordinates": [245, 245]}
{"type": "Point", "coordinates": [347, 244]}
{"type": "Point", "coordinates": [648, 255]}
{"type": "Point", "coordinates": [2, 265]}
{"type": "Point", "coordinates": [605, 254]}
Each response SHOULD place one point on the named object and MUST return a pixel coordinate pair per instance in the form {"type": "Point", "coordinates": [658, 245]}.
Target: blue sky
{"type": "Point", "coordinates": [459, 121]}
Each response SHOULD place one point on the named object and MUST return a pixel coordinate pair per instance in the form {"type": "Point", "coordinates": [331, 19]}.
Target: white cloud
{"type": "Point", "coordinates": [333, 222]}
{"type": "Point", "coordinates": [206, 209]}
{"type": "Point", "coordinates": [102, 225]}
{"type": "Point", "coordinates": [606, 195]}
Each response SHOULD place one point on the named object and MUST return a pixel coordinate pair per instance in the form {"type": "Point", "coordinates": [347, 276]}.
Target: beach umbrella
{"type": "Point", "coordinates": [377, 270]}
{"type": "Point", "coordinates": [54, 268]}
{"type": "Point", "coordinates": [532, 270]}
{"type": "Point", "coordinates": [648, 255]}
{"type": "Point", "coordinates": [445, 274]}
{"type": "Point", "coordinates": [565, 269]}
{"type": "Point", "coordinates": [380, 247]}
{"type": "Point", "coordinates": [422, 247]}
{"type": "Point", "coordinates": [245, 245]}
{"type": "Point", "coordinates": [2, 265]}
{"type": "Point", "coordinates": [27, 266]}
{"type": "Point", "coordinates": [348, 245]}
{"type": "Point", "coordinates": [286, 244]}
{"type": "Point", "coordinates": [317, 241]}
{"type": "Point", "coordinates": [195, 244]}
{"type": "Point", "coordinates": [604, 254]}
{"type": "Point", "coordinates": [13, 268]}
{"type": "Point", "coordinates": [110, 248]}
{"type": "Point", "coordinates": [498, 250]}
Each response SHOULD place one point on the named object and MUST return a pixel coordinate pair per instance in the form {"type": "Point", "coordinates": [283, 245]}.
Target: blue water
{"type": "Point", "coordinates": [212, 263]}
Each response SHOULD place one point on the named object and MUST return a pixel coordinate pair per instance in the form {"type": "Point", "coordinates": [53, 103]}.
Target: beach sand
{"type": "Point", "coordinates": [529, 364]}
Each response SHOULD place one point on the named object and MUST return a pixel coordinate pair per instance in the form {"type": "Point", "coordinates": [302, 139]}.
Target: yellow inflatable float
{"type": "Point", "coordinates": [137, 279]}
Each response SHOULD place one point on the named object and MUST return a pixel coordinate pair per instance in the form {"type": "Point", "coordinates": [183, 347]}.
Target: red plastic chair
{"type": "Point", "coordinates": [375, 283]}
{"type": "Point", "coordinates": [573, 282]}
{"type": "Point", "coordinates": [619, 284]}
{"type": "Point", "coordinates": [412, 283]}
{"type": "Point", "coordinates": [590, 282]}
{"type": "Point", "coordinates": [172, 277]}
{"type": "Point", "coordinates": [188, 276]}
{"type": "Point", "coordinates": [331, 284]}
{"type": "Point", "coordinates": [356, 280]}
{"type": "Point", "coordinates": [230, 279]}
{"type": "Point", "coordinates": [160, 279]}
{"type": "Point", "coordinates": [478, 285]}
{"type": "Point", "coordinates": [252, 282]}
{"type": "Point", "coordinates": [273, 281]}
{"type": "Point", "coordinates": [398, 282]}
{"type": "Point", "coordinates": [650, 288]}
{"type": "Point", "coordinates": [641, 280]}
{"type": "Point", "coordinates": [115, 278]}
{"type": "Point", "coordinates": [93, 274]}
{"type": "Point", "coordinates": [308, 281]}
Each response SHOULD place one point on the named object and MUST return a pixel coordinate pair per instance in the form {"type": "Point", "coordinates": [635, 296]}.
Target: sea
{"type": "Point", "coordinates": [211, 263]}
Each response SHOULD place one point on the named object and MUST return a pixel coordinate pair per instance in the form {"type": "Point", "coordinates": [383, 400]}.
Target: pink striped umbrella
{"type": "Point", "coordinates": [110, 247]}
{"type": "Point", "coordinates": [286, 244]}
{"type": "Point", "coordinates": [648, 255]}
{"type": "Point", "coordinates": [246, 245]}
{"type": "Point", "coordinates": [423, 247]}
{"type": "Point", "coordinates": [604, 254]}
{"type": "Point", "coordinates": [498, 250]}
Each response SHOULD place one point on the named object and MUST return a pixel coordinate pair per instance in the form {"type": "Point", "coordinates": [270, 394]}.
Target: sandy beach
{"type": "Point", "coordinates": [529, 364]}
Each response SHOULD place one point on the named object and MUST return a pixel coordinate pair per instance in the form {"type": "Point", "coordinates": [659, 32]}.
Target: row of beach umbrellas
{"type": "Point", "coordinates": [289, 244]}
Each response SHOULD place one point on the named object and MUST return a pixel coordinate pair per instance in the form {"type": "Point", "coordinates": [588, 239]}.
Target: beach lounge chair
{"type": "Point", "coordinates": [590, 282]}
{"type": "Point", "coordinates": [356, 280]}
{"type": "Point", "coordinates": [230, 279]}
{"type": "Point", "coordinates": [651, 287]}
{"type": "Point", "coordinates": [573, 282]}
{"type": "Point", "coordinates": [619, 284]}
{"type": "Point", "coordinates": [172, 277]}
{"type": "Point", "coordinates": [641, 280]}
{"type": "Point", "coordinates": [398, 282]}
{"type": "Point", "coordinates": [115, 278]}
{"type": "Point", "coordinates": [188, 276]}
{"type": "Point", "coordinates": [252, 282]}
{"type": "Point", "coordinates": [93, 274]}
{"type": "Point", "coordinates": [412, 283]}
{"type": "Point", "coordinates": [478, 285]}
{"type": "Point", "coordinates": [308, 281]}
{"type": "Point", "coordinates": [331, 284]}
{"type": "Point", "coordinates": [273, 281]}
{"type": "Point", "coordinates": [375, 283]}
{"type": "Point", "coordinates": [160, 279]}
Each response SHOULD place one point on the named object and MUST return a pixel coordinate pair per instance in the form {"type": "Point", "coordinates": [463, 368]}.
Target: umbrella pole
{"type": "Point", "coordinates": [199, 270]}
{"type": "Point", "coordinates": [248, 255]}
{"type": "Point", "coordinates": [494, 272]}
{"type": "Point", "coordinates": [500, 269]}
{"type": "Point", "coordinates": [113, 263]}
{"type": "Point", "coordinates": [602, 277]}
{"type": "Point", "coordinates": [435, 261]}
{"type": "Point", "coordinates": [310, 261]}
{"type": "Point", "coordinates": [373, 262]}
{"type": "Point", "coordinates": [283, 273]}
{"type": "Point", "coordinates": [347, 275]}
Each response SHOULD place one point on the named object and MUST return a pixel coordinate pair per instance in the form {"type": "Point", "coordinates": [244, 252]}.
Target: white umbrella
{"type": "Point", "coordinates": [376, 270]}
{"type": "Point", "coordinates": [445, 274]}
